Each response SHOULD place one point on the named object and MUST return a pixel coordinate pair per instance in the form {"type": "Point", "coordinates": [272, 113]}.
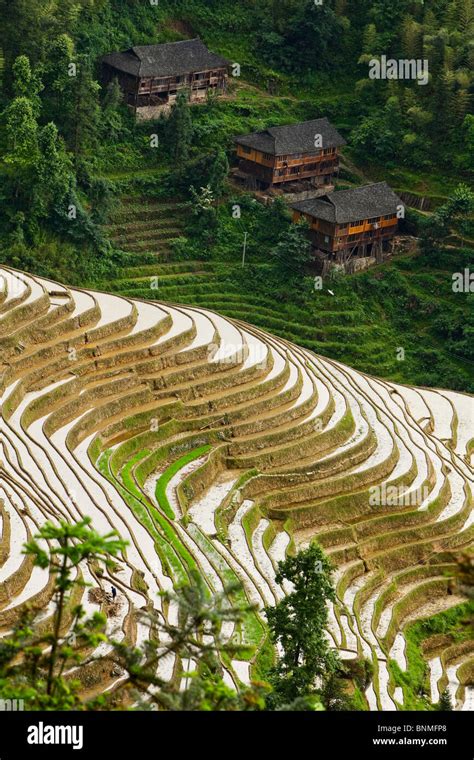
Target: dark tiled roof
{"type": "Point", "coordinates": [351, 205]}
{"type": "Point", "coordinates": [293, 138]}
{"type": "Point", "coordinates": [170, 59]}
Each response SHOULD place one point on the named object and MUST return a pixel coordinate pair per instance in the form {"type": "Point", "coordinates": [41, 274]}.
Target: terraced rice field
{"type": "Point", "coordinates": [212, 445]}
{"type": "Point", "coordinates": [145, 228]}
{"type": "Point", "coordinates": [339, 324]}
{"type": "Point", "coordinates": [144, 225]}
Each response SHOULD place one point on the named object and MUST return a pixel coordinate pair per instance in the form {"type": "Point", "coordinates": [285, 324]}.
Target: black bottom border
{"type": "Point", "coordinates": [123, 734]}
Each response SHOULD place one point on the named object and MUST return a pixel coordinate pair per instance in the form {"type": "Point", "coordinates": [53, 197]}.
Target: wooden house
{"type": "Point", "coordinates": [151, 76]}
{"type": "Point", "coordinates": [356, 222]}
{"type": "Point", "coordinates": [277, 155]}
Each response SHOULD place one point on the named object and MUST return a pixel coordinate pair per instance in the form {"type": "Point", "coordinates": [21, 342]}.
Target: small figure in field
{"type": "Point", "coordinates": [114, 593]}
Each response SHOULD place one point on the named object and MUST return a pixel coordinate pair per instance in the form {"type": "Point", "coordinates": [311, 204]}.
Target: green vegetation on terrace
{"type": "Point", "coordinates": [456, 624]}
{"type": "Point", "coordinates": [169, 473]}
{"type": "Point", "coordinates": [173, 554]}
{"type": "Point", "coordinates": [250, 635]}
{"type": "Point", "coordinates": [179, 563]}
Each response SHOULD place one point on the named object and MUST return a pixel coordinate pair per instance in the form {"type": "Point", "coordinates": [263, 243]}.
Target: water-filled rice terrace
{"type": "Point", "coordinates": [212, 446]}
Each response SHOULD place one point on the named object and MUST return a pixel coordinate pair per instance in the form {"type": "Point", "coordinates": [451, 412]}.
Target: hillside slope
{"type": "Point", "coordinates": [212, 445]}
{"type": "Point", "coordinates": [361, 320]}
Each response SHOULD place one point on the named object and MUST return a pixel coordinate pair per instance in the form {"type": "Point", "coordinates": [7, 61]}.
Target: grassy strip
{"type": "Point", "coordinates": [169, 546]}
{"type": "Point", "coordinates": [264, 661]}
{"type": "Point", "coordinates": [169, 473]}
{"type": "Point", "coordinates": [252, 632]}
{"type": "Point", "coordinates": [171, 562]}
{"type": "Point", "coordinates": [163, 523]}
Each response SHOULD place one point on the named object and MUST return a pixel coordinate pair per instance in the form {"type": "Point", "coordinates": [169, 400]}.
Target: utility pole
{"type": "Point", "coordinates": [245, 248]}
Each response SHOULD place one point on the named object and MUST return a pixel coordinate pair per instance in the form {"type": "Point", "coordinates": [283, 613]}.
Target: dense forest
{"type": "Point", "coordinates": [69, 150]}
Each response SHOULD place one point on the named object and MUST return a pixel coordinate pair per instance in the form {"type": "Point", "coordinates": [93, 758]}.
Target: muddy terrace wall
{"type": "Point", "coordinates": [196, 483]}
{"type": "Point", "coordinates": [267, 482]}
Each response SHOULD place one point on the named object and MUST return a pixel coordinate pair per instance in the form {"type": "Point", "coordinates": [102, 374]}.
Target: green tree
{"type": "Point", "coordinates": [218, 173]}
{"type": "Point", "coordinates": [435, 229]}
{"type": "Point", "coordinates": [411, 37]}
{"type": "Point", "coordinates": [387, 17]}
{"type": "Point", "coordinates": [58, 82]}
{"type": "Point", "coordinates": [445, 704]}
{"type": "Point", "coordinates": [54, 171]}
{"type": "Point", "coordinates": [21, 130]}
{"type": "Point", "coordinates": [20, 157]}
{"type": "Point", "coordinates": [20, 133]}
{"type": "Point", "coordinates": [333, 695]}
{"type": "Point", "coordinates": [61, 56]}
{"type": "Point", "coordinates": [83, 110]}
{"type": "Point", "coordinates": [68, 546]}
{"type": "Point", "coordinates": [293, 254]}
{"type": "Point", "coordinates": [370, 44]}
{"type": "Point", "coordinates": [297, 34]}
{"type": "Point", "coordinates": [204, 211]}
{"type": "Point", "coordinates": [112, 122]}
{"type": "Point", "coordinates": [297, 627]}
{"type": "Point", "coordinates": [276, 217]}
{"type": "Point", "coordinates": [195, 637]}
{"type": "Point", "coordinates": [180, 130]}
{"type": "Point", "coordinates": [33, 659]}
{"type": "Point", "coordinates": [26, 84]}
{"type": "Point", "coordinates": [380, 136]}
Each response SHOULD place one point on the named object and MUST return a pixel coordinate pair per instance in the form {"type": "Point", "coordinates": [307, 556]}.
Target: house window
{"type": "Point", "coordinates": [246, 149]}
{"type": "Point", "coordinates": [267, 156]}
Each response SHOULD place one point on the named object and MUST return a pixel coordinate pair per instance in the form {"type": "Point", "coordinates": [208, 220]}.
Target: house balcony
{"type": "Point", "coordinates": [304, 172]}
{"type": "Point", "coordinates": [365, 237]}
